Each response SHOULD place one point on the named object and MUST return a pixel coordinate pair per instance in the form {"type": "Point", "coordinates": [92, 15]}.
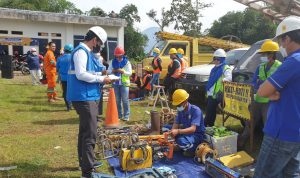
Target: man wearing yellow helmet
{"type": "Point", "coordinates": [268, 66]}
{"type": "Point", "coordinates": [157, 68]}
{"type": "Point", "coordinates": [188, 128]}
{"type": "Point", "coordinates": [279, 154]}
{"type": "Point", "coordinates": [146, 88]}
{"type": "Point", "coordinates": [184, 61]}
{"type": "Point", "coordinates": [174, 71]}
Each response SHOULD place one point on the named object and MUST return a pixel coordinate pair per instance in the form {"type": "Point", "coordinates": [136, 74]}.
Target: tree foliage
{"type": "Point", "coordinates": [184, 14]}
{"type": "Point", "coordinates": [97, 11]}
{"type": "Point", "coordinates": [130, 14]}
{"type": "Point", "coordinates": [250, 26]}
{"type": "Point", "coordinates": [57, 6]}
{"type": "Point", "coordinates": [134, 41]}
{"type": "Point", "coordinates": [164, 21]}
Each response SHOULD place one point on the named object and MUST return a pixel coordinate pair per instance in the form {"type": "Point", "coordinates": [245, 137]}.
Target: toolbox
{"type": "Point", "coordinates": [135, 157]}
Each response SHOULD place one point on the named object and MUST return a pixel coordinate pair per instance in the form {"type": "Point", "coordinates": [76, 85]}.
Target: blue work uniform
{"type": "Point", "coordinates": [62, 66]}
{"type": "Point", "coordinates": [284, 114]}
{"type": "Point", "coordinates": [185, 119]}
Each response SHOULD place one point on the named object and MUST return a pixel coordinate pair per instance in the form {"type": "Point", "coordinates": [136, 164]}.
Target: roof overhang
{"type": "Point", "coordinates": [17, 14]}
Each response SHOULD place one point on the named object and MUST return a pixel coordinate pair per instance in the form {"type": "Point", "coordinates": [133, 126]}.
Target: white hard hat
{"type": "Point", "coordinates": [288, 24]}
{"type": "Point", "coordinates": [100, 32]}
{"type": "Point", "coordinates": [32, 50]}
{"type": "Point", "coordinates": [219, 53]}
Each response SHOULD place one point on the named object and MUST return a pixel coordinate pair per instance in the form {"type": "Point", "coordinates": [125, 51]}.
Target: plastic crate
{"type": "Point", "coordinates": [224, 145]}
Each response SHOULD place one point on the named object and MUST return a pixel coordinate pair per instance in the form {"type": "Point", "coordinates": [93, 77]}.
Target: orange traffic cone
{"type": "Point", "coordinates": [112, 118]}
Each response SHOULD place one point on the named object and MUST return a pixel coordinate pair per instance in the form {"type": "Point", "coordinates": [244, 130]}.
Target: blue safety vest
{"type": "Point", "coordinates": [78, 90]}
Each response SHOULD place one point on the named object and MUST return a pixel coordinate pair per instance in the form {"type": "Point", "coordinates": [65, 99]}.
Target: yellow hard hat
{"type": "Point", "coordinates": [147, 68]}
{"type": "Point", "coordinates": [173, 51]}
{"type": "Point", "coordinates": [179, 96]}
{"type": "Point", "coordinates": [180, 50]}
{"type": "Point", "coordinates": [156, 50]}
{"type": "Point", "coordinates": [269, 46]}
{"type": "Point", "coordinates": [133, 71]}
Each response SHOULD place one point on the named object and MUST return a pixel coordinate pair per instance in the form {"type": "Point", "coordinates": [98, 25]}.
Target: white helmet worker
{"type": "Point", "coordinates": [219, 53]}
{"type": "Point", "coordinates": [289, 24]}
{"type": "Point", "coordinates": [100, 32]}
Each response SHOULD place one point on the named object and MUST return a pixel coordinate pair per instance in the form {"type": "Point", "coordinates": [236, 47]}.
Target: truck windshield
{"type": "Point", "coordinates": [234, 55]}
{"type": "Point", "coordinates": [251, 59]}
{"type": "Point", "coordinates": [160, 45]}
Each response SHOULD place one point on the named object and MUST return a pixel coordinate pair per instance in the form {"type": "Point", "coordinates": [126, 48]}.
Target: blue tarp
{"type": "Point", "coordinates": [185, 167]}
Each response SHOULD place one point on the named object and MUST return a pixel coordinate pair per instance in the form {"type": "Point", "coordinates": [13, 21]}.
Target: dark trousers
{"type": "Point", "coordinates": [64, 88]}
{"type": "Point", "coordinates": [100, 106]}
{"type": "Point", "coordinates": [87, 111]}
{"type": "Point", "coordinates": [211, 111]}
{"type": "Point", "coordinates": [169, 83]}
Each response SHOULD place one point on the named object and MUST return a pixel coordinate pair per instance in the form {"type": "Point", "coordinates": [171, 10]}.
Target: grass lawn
{"type": "Point", "coordinates": [31, 129]}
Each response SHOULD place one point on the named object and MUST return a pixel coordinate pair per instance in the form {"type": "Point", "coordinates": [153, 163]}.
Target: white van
{"type": "Point", "coordinates": [195, 78]}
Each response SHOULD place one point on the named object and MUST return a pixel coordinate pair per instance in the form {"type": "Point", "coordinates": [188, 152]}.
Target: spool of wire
{"type": "Point", "coordinates": [203, 151]}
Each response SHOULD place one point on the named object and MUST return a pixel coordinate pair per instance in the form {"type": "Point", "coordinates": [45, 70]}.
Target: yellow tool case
{"type": "Point", "coordinates": [135, 157]}
{"type": "Point", "coordinates": [238, 159]}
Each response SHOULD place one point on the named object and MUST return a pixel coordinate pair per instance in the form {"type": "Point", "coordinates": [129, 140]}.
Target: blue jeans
{"type": "Point", "coordinates": [278, 159]}
{"type": "Point", "coordinates": [155, 80]}
{"type": "Point", "coordinates": [122, 97]}
{"type": "Point", "coordinates": [188, 142]}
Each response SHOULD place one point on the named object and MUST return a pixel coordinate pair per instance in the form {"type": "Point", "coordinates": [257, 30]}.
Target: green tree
{"type": "Point", "coordinates": [97, 11]}
{"type": "Point", "coordinates": [134, 41]}
{"type": "Point", "coordinates": [130, 14]}
{"type": "Point", "coordinates": [250, 26]}
{"type": "Point", "coordinates": [164, 21]}
{"type": "Point", "coordinates": [184, 14]}
{"type": "Point", "coordinates": [58, 6]}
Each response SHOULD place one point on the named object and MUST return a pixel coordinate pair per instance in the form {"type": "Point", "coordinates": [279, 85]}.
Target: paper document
{"type": "Point", "coordinates": [113, 77]}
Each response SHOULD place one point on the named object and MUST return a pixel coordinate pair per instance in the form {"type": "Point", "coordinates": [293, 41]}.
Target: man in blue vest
{"type": "Point", "coordinates": [121, 67]}
{"type": "Point", "coordinates": [62, 66]}
{"type": "Point", "coordinates": [83, 91]}
{"type": "Point", "coordinates": [214, 87]}
{"type": "Point", "coordinates": [280, 150]}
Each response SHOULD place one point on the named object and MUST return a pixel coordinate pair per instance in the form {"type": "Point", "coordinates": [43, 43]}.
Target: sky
{"type": "Point", "coordinates": [219, 8]}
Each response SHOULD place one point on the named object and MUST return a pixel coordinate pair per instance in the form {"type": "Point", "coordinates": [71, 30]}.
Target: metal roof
{"type": "Point", "coordinates": [275, 9]}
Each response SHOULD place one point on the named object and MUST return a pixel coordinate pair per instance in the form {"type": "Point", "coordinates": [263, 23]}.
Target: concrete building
{"type": "Point", "coordinates": [43, 27]}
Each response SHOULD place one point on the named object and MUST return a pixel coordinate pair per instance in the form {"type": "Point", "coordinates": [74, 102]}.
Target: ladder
{"type": "Point", "coordinates": [208, 41]}
{"type": "Point", "coordinates": [158, 97]}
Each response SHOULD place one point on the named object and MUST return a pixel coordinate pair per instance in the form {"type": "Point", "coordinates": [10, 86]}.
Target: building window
{"type": "Point", "coordinates": [56, 34]}
{"type": "Point", "coordinates": [42, 34]}
{"type": "Point", "coordinates": [3, 32]}
{"type": "Point", "coordinates": [77, 39]}
{"type": "Point", "coordinates": [16, 32]}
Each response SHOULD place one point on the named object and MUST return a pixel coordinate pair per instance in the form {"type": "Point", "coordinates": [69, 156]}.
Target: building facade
{"type": "Point", "coordinates": [43, 27]}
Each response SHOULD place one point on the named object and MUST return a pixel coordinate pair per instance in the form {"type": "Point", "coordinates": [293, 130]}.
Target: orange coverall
{"type": "Point", "coordinates": [50, 69]}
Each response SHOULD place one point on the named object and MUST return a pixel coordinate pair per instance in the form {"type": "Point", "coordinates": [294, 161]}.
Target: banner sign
{"type": "Point", "coordinates": [237, 98]}
{"type": "Point", "coordinates": [18, 41]}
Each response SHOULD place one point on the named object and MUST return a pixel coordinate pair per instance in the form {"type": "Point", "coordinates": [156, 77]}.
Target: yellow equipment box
{"type": "Point", "coordinates": [238, 159]}
{"type": "Point", "coordinates": [137, 157]}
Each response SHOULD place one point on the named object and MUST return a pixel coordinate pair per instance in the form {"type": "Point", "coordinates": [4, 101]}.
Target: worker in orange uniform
{"type": "Point", "coordinates": [134, 91]}
{"type": "Point", "coordinates": [157, 68]}
{"type": "Point", "coordinates": [174, 72]}
{"type": "Point", "coordinates": [50, 69]}
{"type": "Point", "coordinates": [184, 60]}
{"type": "Point", "coordinates": [146, 88]}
